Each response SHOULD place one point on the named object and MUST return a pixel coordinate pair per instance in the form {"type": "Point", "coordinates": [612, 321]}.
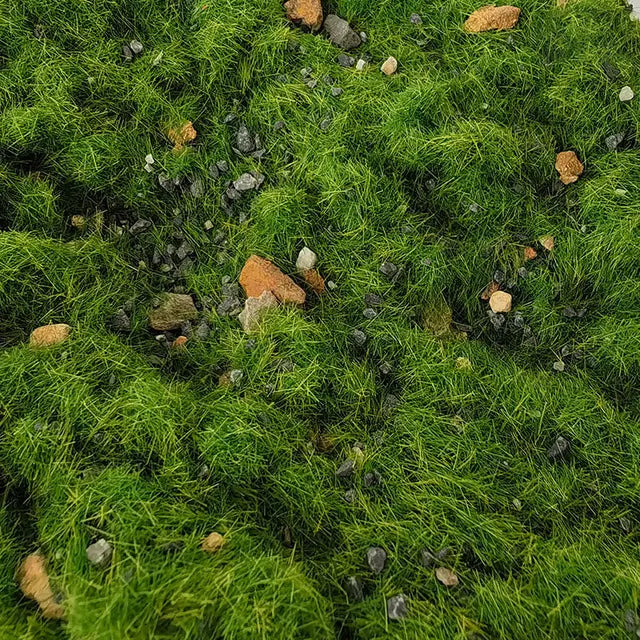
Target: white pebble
{"type": "Point", "coordinates": [307, 259]}
{"type": "Point", "coordinates": [361, 64]}
{"type": "Point", "coordinates": [626, 94]}
{"type": "Point", "coordinates": [149, 159]}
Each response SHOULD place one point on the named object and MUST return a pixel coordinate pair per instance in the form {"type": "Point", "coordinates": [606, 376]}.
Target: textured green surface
{"type": "Point", "coordinates": [106, 435]}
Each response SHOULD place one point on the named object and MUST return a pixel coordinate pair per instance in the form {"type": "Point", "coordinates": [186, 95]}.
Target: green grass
{"type": "Point", "coordinates": [446, 168]}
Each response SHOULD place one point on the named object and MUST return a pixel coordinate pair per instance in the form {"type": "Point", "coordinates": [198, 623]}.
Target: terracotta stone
{"type": "Point", "coordinates": [180, 342]}
{"type": "Point", "coordinates": [181, 136]}
{"type": "Point", "coordinates": [314, 280]}
{"type": "Point", "coordinates": [308, 12]}
{"type": "Point", "coordinates": [213, 542]}
{"type": "Point", "coordinates": [568, 166]}
{"type": "Point", "coordinates": [500, 302]}
{"type": "Point", "coordinates": [34, 583]}
{"type": "Point", "coordinates": [174, 310]}
{"type": "Point", "coordinates": [49, 335]}
{"type": "Point", "coordinates": [492, 18]}
{"type": "Point", "coordinates": [530, 253]}
{"type": "Point", "coordinates": [259, 275]}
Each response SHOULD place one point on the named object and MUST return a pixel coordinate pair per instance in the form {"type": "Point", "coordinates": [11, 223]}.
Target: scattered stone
{"type": "Point", "coordinates": [447, 577]}
{"type": "Point", "coordinates": [213, 542]}
{"type": "Point", "coordinates": [415, 18]}
{"type": "Point", "coordinates": [373, 300]}
{"type": "Point", "coordinates": [350, 496]}
{"type": "Point", "coordinates": [369, 313]}
{"type": "Point", "coordinates": [49, 335]}
{"type": "Point", "coordinates": [361, 64]}
{"type": "Point", "coordinates": [612, 72]}
{"type": "Point", "coordinates": [174, 309]}
{"type": "Point", "coordinates": [530, 253]}
{"type": "Point", "coordinates": [202, 331]}
{"type": "Point", "coordinates": [312, 84]}
{"type": "Point", "coordinates": [34, 584]}
{"type": "Point", "coordinates": [492, 18]}
{"type": "Point", "coordinates": [314, 280]}
{"type": "Point", "coordinates": [569, 167]}
{"type": "Point", "coordinates": [346, 469]}
{"type": "Point", "coordinates": [376, 559]}
{"type": "Point", "coordinates": [559, 449]}
{"type": "Point", "coordinates": [363, 36]}
{"type": "Point", "coordinates": [613, 141]}
{"type": "Point", "coordinates": [127, 54]}
{"type": "Point", "coordinates": [386, 368]}
{"type": "Point", "coordinates": [523, 273]}
{"type": "Point", "coordinates": [397, 607]}
{"type": "Point", "coordinates": [559, 366]}
{"type": "Point", "coordinates": [254, 310]}
{"type": "Point", "coordinates": [180, 137]}
{"type": "Point", "coordinates": [180, 342]}
{"type": "Point", "coordinates": [222, 166]}
{"type": "Point", "coordinates": [548, 242]}
{"type": "Point", "coordinates": [388, 269]}
{"type": "Point", "coordinates": [372, 479]}
{"type": "Point", "coordinates": [336, 92]}
{"type": "Point", "coordinates": [245, 142]}
{"type": "Point", "coordinates": [246, 182]}
{"type": "Point", "coordinates": [496, 319]}
{"type": "Point", "coordinates": [328, 80]}
{"type": "Point", "coordinates": [139, 226]}
{"type": "Point", "coordinates": [196, 188]}
{"type": "Point", "coordinates": [208, 225]}
{"type": "Point", "coordinates": [99, 553]}
{"type": "Point", "coordinates": [500, 302]}
{"type": "Point", "coordinates": [279, 125]}
{"type": "Point", "coordinates": [331, 285]}
{"type": "Point", "coordinates": [120, 321]}
{"type": "Point", "coordinates": [428, 559]}
{"type": "Point", "coordinates": [353, 587]}
{"type": "Point", "coordinates": [78, 222]}
{"type": "Point", "coordinates": [625, 524]}
{"type": "Point", "coordinates": [359, 337]}
{"type": "Point", "coordinates": [325, 124]}
{"type": "Point", "coordinates": [340, 33]}
{"type": "Point", "coordinates": [307, 259]}
{"type": "Point", "coordinates": [346, 61]}
{"type": "Point", "coordinates": [631, 621]}
{"type": "Point", "coordinates": [229, 118]}
{"type": "Point", "coordinates": [259, 275]}
{"type": "Point", "coordinates": [626, 94]}
{"type": "Point", "coordinates": [389, 66]}
{"type": "Point", "coordinates": [489, 290]}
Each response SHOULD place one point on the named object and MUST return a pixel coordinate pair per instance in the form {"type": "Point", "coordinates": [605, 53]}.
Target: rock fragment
{"type": "Point", "coordinates": [314, 280]}
{"type": "Point", "coordinates": [614, 140]}
{"type": "Point", "coordinates": [307, 259]}
{"type": "Point", "coordinates": [559, 450]}
{"type": "Point", "coordinates": [254, 309]}
{"type": "Point", "coordinates": [492, 18]}
{"type": "Point", "coordinates": [626, 94]}
{"type": "Point", "coordinates": [307, 12]}
{"type": "Point", "coordinates": [346, 469]}
{"type": "Point", "coordinates": [213, 542]}
{"type": "Point", "coordinates": [120, 321]}
{"type": "Point", "coordinates": [346, 61]}
{"type": "Point", "coordinates": [340, 33]}
{"type": "Point", "coordinates": [49, 335]}
{"type": "Point", "coordinates": [173, 310]}
{"type": "Point", "coordinates": [182, 135]}
{"type": "Point", "coordinates": [259, 275]}
{"type": "Point", "coordinates": [34, 584]}
{"type": "Point", "coordinates": [245, 142]}
{"type": "Point", "coordinates": [389, 66]}
{"type": "Point", "coordinates": [376, 559]}
{"type": "Point", "coordinates": [353, 587]}
{"type": "Point", "coordinates": [246, 182]}
{"type": "Point", "coordinates": [415, 18]}
{"type": "Point", "coordinates": [100, 553]}
{"type": "Point", "coordinates": [500, 302]}
{"type": "Point", "coordinates": [569, 167]}
{"type": "Point", "coordinates": [447, 577]}
{"type": "Point", "coordinates": [397, 607]}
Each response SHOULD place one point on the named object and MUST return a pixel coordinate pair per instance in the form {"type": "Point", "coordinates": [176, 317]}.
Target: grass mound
{"type": "Point", "coordinates": [444, 169]}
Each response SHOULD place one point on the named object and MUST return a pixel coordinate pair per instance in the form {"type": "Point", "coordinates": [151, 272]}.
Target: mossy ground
{"type": "Point", "coordinates": [107, 435]}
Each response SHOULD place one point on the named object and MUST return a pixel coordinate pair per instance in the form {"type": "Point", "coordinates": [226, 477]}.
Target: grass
{"type": "Point", "coordinates": [446, 168]}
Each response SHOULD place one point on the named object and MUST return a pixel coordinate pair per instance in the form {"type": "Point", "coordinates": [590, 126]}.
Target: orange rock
{"type": "Point", "coordinates": [548, 242]}
{"type": "Point", "coordinates": [568, 166]}
{"type": "Point", "coordinates": [314, 280]}
{"type": "Point", "coordinates": [309, 12]}
{"type": "Point", "coordinates": [489, 290]}
{"type": "Point", "coordinates": [492, 18]}
{"type": "Point", "coordinates": [180, 137]}
{"type": "Point", "coordinates": [34, 583]}
{"type": "Point", "coordinates": [49, 335]}
{"type": "Point", "coordinates": [259, 275]}
{"type": "Point", "coordinates": [530, 253]}
{"type": "Point", "coordinates": [180, 342]}
{"type": "Point", "coordinates": [213, 542]}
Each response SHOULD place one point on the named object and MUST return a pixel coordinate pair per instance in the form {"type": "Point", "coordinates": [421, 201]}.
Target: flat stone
{"type": "Point", "coordinates": [559, 450]}
{"type": "Point", "coordinates": [246, 182]}
{"type": "Point", "coordinates": [447, 577]}
{"type": "Point", "coordinates": [373, 300]}
{"type": "Point", "coordinates": [259, 275]}
{"type": "Point", "coordinates": [346, 469]}
{"type": "Point", "coordinates": [397, 607]}
{"type": "Point", "coordinates": [307, 259]}
{"type": "Point", "coordinates": [254, 310]}
{"type": "Point", "coordinates": [136, 47]}
{"type": "Point", "coordinates": [491, 18]}
{"type": "Point", "coordinates": [173, 311]}
{"type": "Point", "coordinates": [389, 66]}
{"type": "Point", "coordinates": [127, 54]}
{"type": "Point", "coordinates": [49, 335]}
{"type": "Point", "coordinates": [626, 94]}
{"type": "Point", "coordinates": [371, 479]}
{"type": "Point", "coordinates": [139, 226]}
{"type": "Point", "coordinates": [222, 166]}
{"type": "Point", "coordinates": [500, 302]}
{"type": "Point", "coordinates": [369, 313]}
{"type": "Point", "coordinates": [361, 64]}
{"type": "Point", "coordinates": [99, 553]}
{"type": "Point", "coordinates": [353, 587]}
{"type": "Point", "coordinates": [388, 269]}
{"type": "Point", "coordinates": [340, 33]}
{"type": "Point", "coordinates": [336, 92]}
{"type": "Point", "coordinates": [569, 167]}
{"type": "Point", "coordinates": [376, 559]}
{"type": "Point", "coordinates": [346, 61]}
{"type": "Point", "coordinates": [428, 559]}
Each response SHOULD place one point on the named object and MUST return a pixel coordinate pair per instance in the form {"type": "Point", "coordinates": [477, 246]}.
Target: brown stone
{"type": "Point", "coordinates": [447, 577]}
{"type": "Point", "coordinates": [260, 275]}
{"type": "Point", "coordinates": [492, 18]}
{"type": "Point", "coordinates": [548, 242]}
{"type": "Point", "coordinates": [180, 342]}
{"type": "Point", "coordinates": [568, 166]}
{"type": "Point", "coordinates": [213, 542]}
{"type": "Point", "coordinates": [49, 335]}
{"type": "Point", "coordinates": [182, 135]}
{"type": "Point", "coordinates": [308, 12]}
{"type": "Point", "coordinates": [174, 310]}
{"type": "Point", "coordinates": [500, 302]}
{"type": "Point", "coordinates": [530, 253]}
{"type": "Point", "coordinates": [489, 290]}
{"type": "Point", "coordinates": [390, 66]}
{"type": "Point", "coordinates": [34, 583]}
{"type": "Point", "coordinates": [314, 280]}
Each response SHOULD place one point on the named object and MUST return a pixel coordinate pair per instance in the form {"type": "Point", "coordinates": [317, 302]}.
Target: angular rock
{"type": "Point", "coordinates": [346, 469]}
{"type": "Point", "coordinates": [336, 91]}
{"type": "Point", "coordinates": [397, 607]}
{"type": "Point", "coordinates": [307, 259]}
{"type": "Point", "coordinates": [245, 142]}
{"type": "Point", "coordinates": [182, 135]}
{"type": "Point", "coordinates": [491, 18]}
{"type": "Point", "coordinates": [174, 309]}
{"type": "Point", "coordinates": [259, 275]}
{"type": "Point", "coordinates": [254, 310]}
{"type": "Point", "coordinates": [388, 269]}
{"type": "Point", "coordinates": [559, 450]}
{"type": "Point", "coordinates": [340, 33]}
{"type": "Point", "coordinates": [428, 559]}
{"type": "Point", "coordinates": [361, 64]}
{"type": "Point", "coordinates": [213, 542]}
{"type": "Point", "coordinates": [139, 226]}
{"type": "Point", "coordinates": [415, 18]}
{"type": "Point", "coordinates": [447, 577]}
{"type": "Point", "coordinates": [500, 302]}
{"type": "Point", "coordinates": [346, 61]}
{"type": "Point", "coordinates": [530, 253]}
{"type": "Point", "coordinates": [569, 167]}
{"type": "Point", "coordinates": [613, 141]}
{"type": "Point", "coordinates": [359, 337]}
{"type": "Point", "coordinates": [373, 300]}
{"type": "Point", "coordinates": [245, 182]}
{"type": "Point", "coordinates": [369, 313]}
{"type": "Point", "coordinates": [49, 335]}
{"type": "Point", "coordinates": [390, 66]}
{"type": "Point", "coordinates": [626, 94]}
{"type": "Point", "coordinates": [34, 584]}
{"type": "Point", "coordinates": [99, 553]}
{"type": "Point", "coordinates": [136, 47]}
{"type": "Point", "coordinates": [353, 587]}
{"type": "Point", "coordinates": [120, 321]}
{"type": "Point", "coordinates": [376, 559]}
{"type": "Point", "coordinates": [371, 479]}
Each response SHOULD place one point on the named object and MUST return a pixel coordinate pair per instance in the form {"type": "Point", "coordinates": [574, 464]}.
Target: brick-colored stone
{"type": "Point", "coordinates": [260, 275]}
{"type": "Point", "coordinates": [568, 166]}
{"type": "Point", "coordinates": [307, 12]}
{"type": "Point", "coordinates": [492, 18]}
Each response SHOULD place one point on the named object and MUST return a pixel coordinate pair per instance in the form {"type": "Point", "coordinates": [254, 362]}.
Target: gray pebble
{"type": "Point", "coordinates": [558, 365]}
{"type": "Point", "coordinates": [625, 524]}
{"type": "Point", "coordinates": [331, 285]}
{"type": "Point", "coordinates": [415, 18]}
{"type": "Point", "coordinates": [325, 124]}
{"type": "Point", "coordinates": [496, 319]}
{"type": "Point", "coordinates": [245, 142]}
{"type": "Point", "coordinates": [359, 337]}
{"type": "Point", "coordinates": [373, 300]}
{"type": "Point", "coordinates": [229, 118]}
{"type": "Point", "coordinates": [369, 313]}
{"type": "Point", "coordinates": [376, 559]}
{"type": "Point", "coordinates": [312, 84]}
{"type": "Point", "coordinates": [120, 321]}
{"type": "Point", "coordinates": [346, 61]}
{"type": "Point", "coordinates": [353, 587]}
{"type": "Point", "coordinates": [127, 53]}
{"type": "Point", "coordinates": [245, 182]}
{"type": "Point", "coordinates": [388, 269]}
{"type": "Point", "coordinates": [279, 125]}
{"type": "Point", "coordinates": [99, 553]}
{"type": "Point", "coordinates": [336, 92]}
{"type": "Point", "coordinates": [397, 607]}
{"type": "Point", "coordinates": [346, 469]}
{"type": "Point", "coordinates": [305, 72]}
{"type": "Point", "coordinates": [136, 47]}
{"type": "Point", "coordinates": [371, 479]}
{"type": "Point", "coordinates": [523, 273]}
{"type": "Point", "coordinates": [340, 32]}
{"type": "Point", "coordinates": [350, 496]}
{"type": "Point", "coordinates": [613, 141]}
{"type": "Point", "coordinates": [559, 449]}
{"type": "Point", "coordinates": [363, 36]}
{"type": "Point", "coordinates": [328, 79]}
{"type": "Point", "coordinates": [233, 194]}
{"type": "Point", "coordinates": [222, 166]}
{"type": "Point", "coordinates": [235, 375]}
{"type": "Point", "coordinates": [386, 368]}
{"type": "Point", "coordinates": [428, 559]}
{"type": "Point", "coordinates": [139, 226]}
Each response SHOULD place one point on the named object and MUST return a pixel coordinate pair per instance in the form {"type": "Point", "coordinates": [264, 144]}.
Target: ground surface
{"type": "Point", "coordinates": [445, 169]}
